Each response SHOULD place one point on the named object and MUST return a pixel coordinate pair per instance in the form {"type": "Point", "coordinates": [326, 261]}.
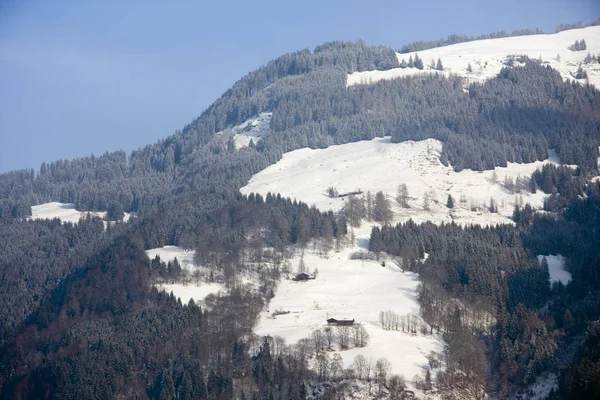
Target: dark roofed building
{"type": "Point", "coordinates": [301, 277]}
{"type": "Point", "coordinates": [333, 321]}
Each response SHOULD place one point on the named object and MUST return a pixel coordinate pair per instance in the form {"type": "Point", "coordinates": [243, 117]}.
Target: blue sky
{"type": "Point", "coordinates": [83, 77]}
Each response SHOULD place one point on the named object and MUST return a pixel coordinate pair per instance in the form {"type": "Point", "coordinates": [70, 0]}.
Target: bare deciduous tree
{"type": "Point", "coordinates": [396, 386]}
{"type": "Point", "coordinates": [382, 368]}
{"type": "Point", "coordinates": [360, 336]}
{"type": "Point", "coordinates": [343, 336]}
{"type": "Point", "coordinates": [322, 363]}
{"type": "Point", "coordinates": [318, 340]}
{"type": "Point", "coordinates": [336, 366]}
{"type": "Point", "coordinates": [329, 337]}
{"type": "Point", "coordinates": [359, 363]}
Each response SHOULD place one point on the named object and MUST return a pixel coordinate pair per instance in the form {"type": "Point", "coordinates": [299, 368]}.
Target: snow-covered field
{"type": "Point", "coordinates": [66, 212]}
{"type": "Point", "coordinates": [379, 164]}
{"type": "Point", "coordinates": [487, 57]}
{"type": "Point", "coordinates": [187, 290]}
{"type": "Point", "coordinates": [556, 267]}
{"type": "Point", "coordinates": [169, 253]}
{"type": "Point", "coordinates": [251, 129]}
{"type": "Point", "coordinates": [351, 289]}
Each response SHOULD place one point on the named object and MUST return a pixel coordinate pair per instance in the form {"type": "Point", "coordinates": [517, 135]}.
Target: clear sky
{"type": "Point", "coordinates": [83, 77]}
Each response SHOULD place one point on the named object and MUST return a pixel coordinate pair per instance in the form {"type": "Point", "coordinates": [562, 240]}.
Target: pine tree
{"type": "Point", "coordinates": [418, 62]}
{"type": "Point", "coordinates": [450, 202]}
{"type": "Point", "coordinates": [581, 74]}
{"type": "Point", "coordinates": [382, 211]}
{"type": "Point", "coordinates": [439, 65]}
{"type": "Point", "coordinates": [426, 201]}
{"type": "Point", "coordinates": [402, 195]}
{"type": "Point", "coordinates": [532, 185]}
{"type": "Point", "coordinates": [302, 266]}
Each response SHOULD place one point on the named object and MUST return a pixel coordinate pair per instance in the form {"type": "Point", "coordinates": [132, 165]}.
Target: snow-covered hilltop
{"type": "Point", "coordinates": [487, 57]}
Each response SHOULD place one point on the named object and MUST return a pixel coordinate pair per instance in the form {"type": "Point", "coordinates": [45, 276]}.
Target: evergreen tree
{"type": "Point", "coordinates": [418, 62]}
{"type": "Point", "coordinates": [439, 65]}
{"type": "Point", "coordinates": [402, 196]}
{"type": "Point", "coordinates": [382, 210]}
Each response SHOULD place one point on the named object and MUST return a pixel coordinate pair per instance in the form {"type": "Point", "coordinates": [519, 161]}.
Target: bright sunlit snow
{"type": "Point", "coordinates": [379, 164]}
{"type": "Point", "coordinates": [352, 289]}
{"type": "Point", "coordinates": [487, 57]}
{"type": "Point", "coordinates": [556, 267]}
{"type": "Point", "coordinates": [66, 212]}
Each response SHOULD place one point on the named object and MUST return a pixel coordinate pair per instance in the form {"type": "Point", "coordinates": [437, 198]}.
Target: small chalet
{"type": "Point", "coordinates": [301, 277]}
{"type": "Point", "coordinates": [340, 322]}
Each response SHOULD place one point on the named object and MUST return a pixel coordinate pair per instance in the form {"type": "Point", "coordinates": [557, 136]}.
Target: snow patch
{"type": "Point", "coordinates": [379, 164]}
{"type": "Point", "coordinates": [252, 129]}
{"type": "Point", "coordinates": [556, 267]}
{"type": "Point", "coordinates": [169, 253]}
{"type": "Point", "coordinates": [541, 388]}
{"type": "Point", "coordinates": [186, 292]}
{"type": "Point", "coordinates": [66, 212]}
{"type": "Point", "coordinates": [487, 57]}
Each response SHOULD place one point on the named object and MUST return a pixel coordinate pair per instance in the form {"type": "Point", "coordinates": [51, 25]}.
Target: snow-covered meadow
{"type": "Point", "coordinates": [190, 289]}
{"type": "Point", "coordinates": [66, 212]}
{"type": "Point", "coordinates": [487, 57]}
{"type": "Point", "coordinates": [556, 267]}
{"type": "Point", "coordinates": [351, 289]}
{"type": "Point", "coordinates": [379, 164]}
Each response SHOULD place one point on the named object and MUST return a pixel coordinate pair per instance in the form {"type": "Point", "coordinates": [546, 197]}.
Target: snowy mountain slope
{"type": "Point", "coordinates": [487, 57]}
{"type": "Point", "coordinates": [360, 290]}
{"type": "Point", "coordinates": [379, 164]}
{"type": "Point", "coordinates": [352, 289]}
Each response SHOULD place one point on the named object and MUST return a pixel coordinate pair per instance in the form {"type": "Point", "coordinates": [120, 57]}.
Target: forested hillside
{"type": "Point", "coordinates": [81, 317]}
